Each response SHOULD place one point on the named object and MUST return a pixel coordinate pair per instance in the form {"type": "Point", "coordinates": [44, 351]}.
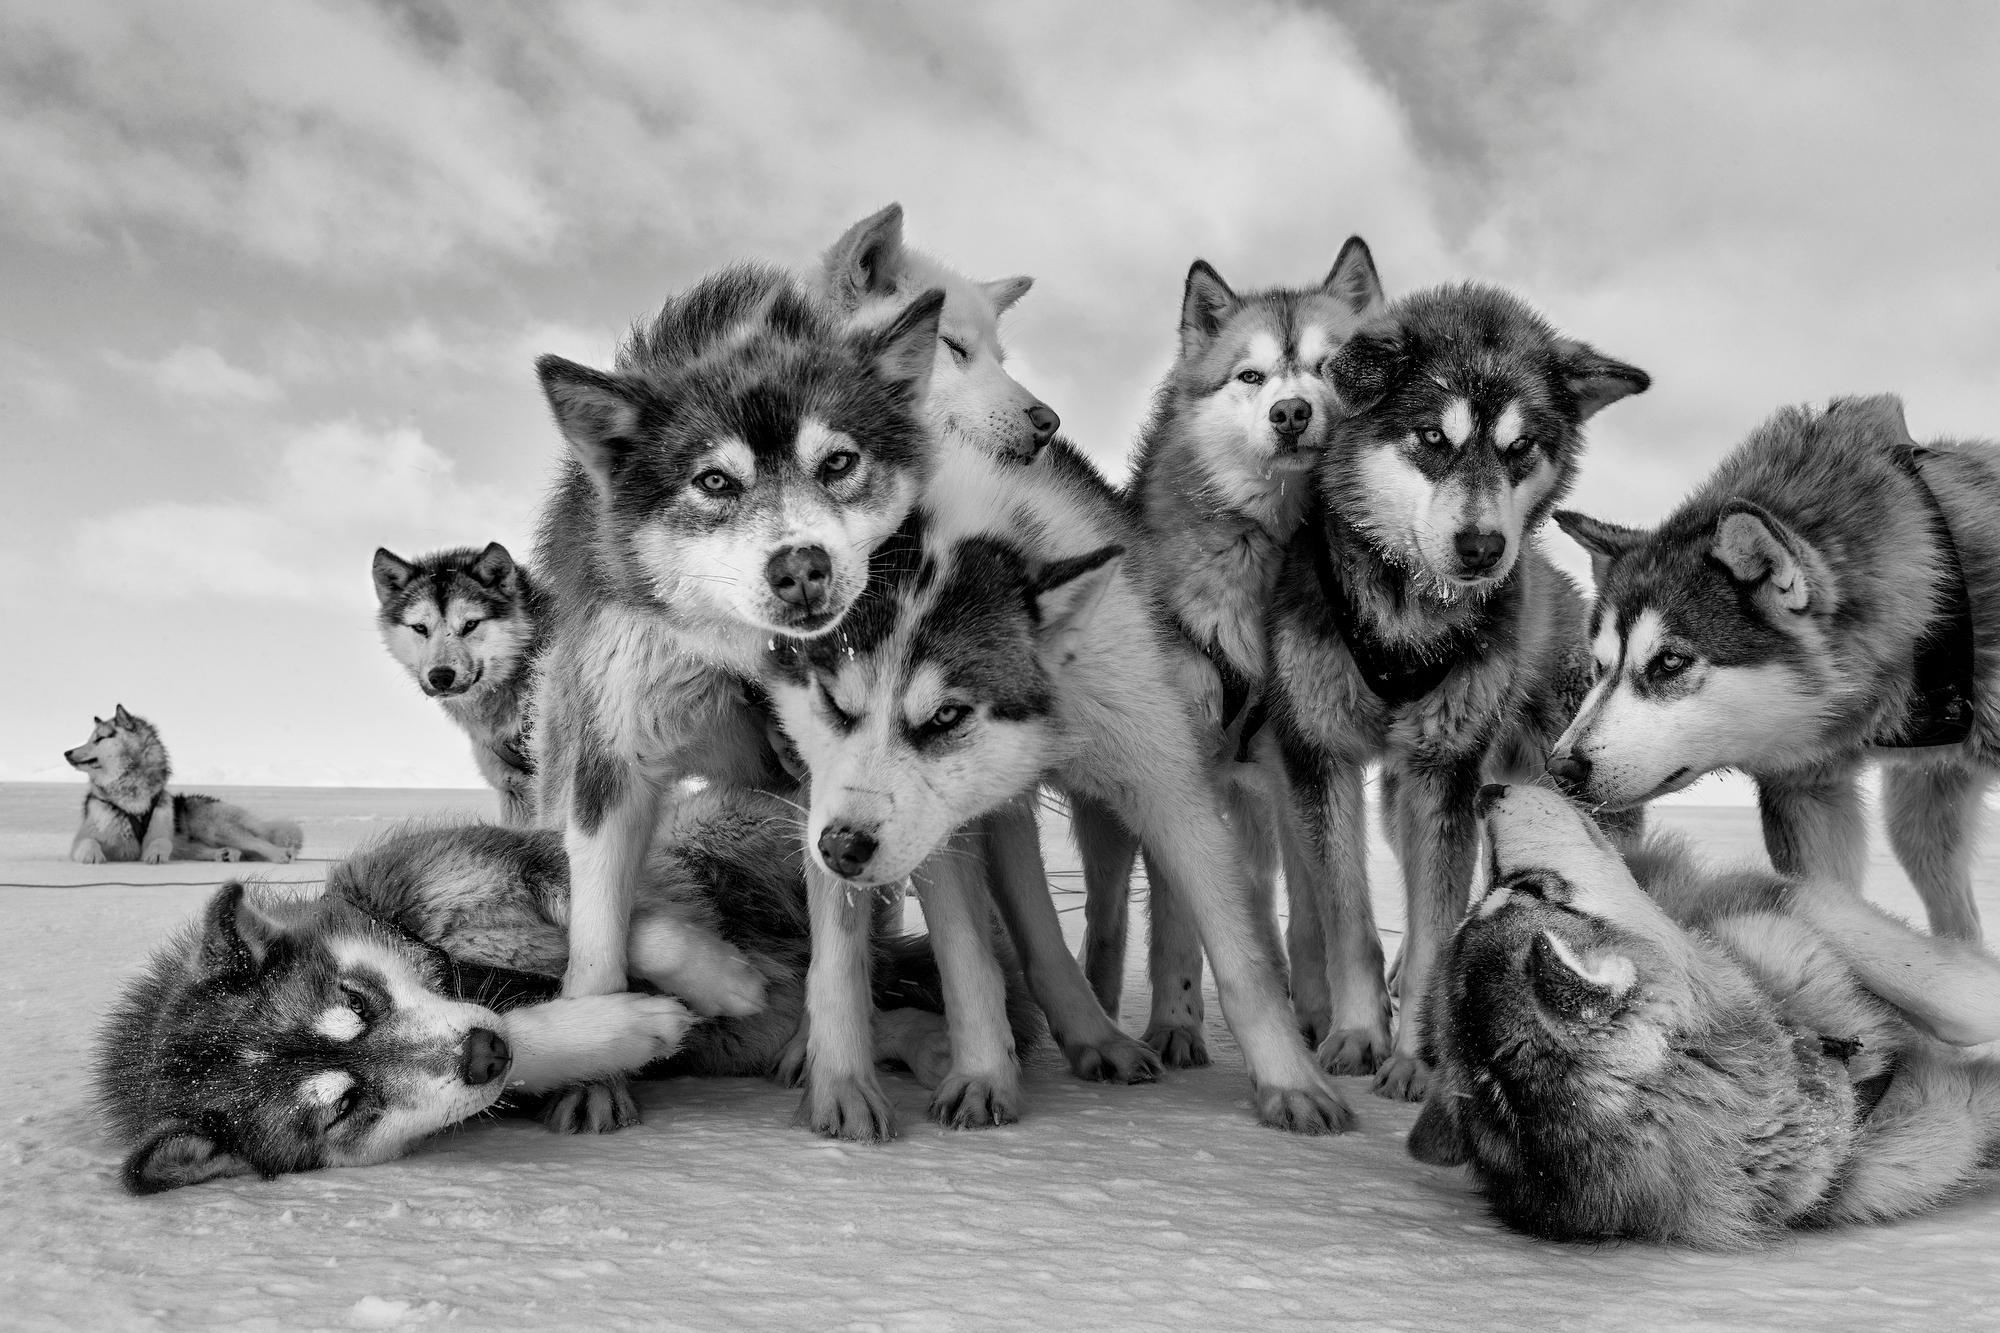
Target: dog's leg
{"type": "Point", "coordinates": [691, 961]}
{"type": "Point", "coordinates": [1813, 826]}
{"type": "Point", "coordinates": [1933, 813]}
{"type": "Point", "coordinates": [844, 1099]}
{"type": "Point", "coordinates": [1106, 848]}
{"type": "Point", "coordinates": [1173, 969]}
{"type": "Point", "coordinates": [611, 820]}
{"type": "Point", "coordinates": [158, 844]}
{"type": "Point", "coordinates": [1343, 1002]}
{"type": "Point", "coordinates": [591, 1037]}
{"type": "Point", "coordinates": [1090, 1041]}
{"type": "Point", "coordinates": [86, 849]}
{"type": "Point", "coordinates": [1949, 987]}
{"type": "Point", "coordinates": [984, 1085]}
{"type": "Point", "coordinates": [1935, 1127]}
{"type": "Point", "coordinates": [917, 1039]}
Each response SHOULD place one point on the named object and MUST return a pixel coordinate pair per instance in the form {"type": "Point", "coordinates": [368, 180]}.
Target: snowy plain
{"type": "Point", "coordinates": [1162, 1206]}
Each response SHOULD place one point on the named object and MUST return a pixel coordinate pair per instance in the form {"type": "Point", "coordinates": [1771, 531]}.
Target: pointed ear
{"type": "Point", "coordinates": [494, 568]}
{"type": "Point", "coordinates": [1066, 594]}
{"type": "Point", "coordinates": [392, 574]}
{"type": "Point", "coordinates": [905, 350]}
{"type": "Point", "coordinates": [121, 717]}
{"type": "Point", "coordinates": [1206, 301]}
{"type": "Point", "coordinates": [236, 936]}
{"type": "Point", "coordinates": [867, 259]}
{"type": "Point", "coordinates": [1353, 278]}
{"type": "Point", "coordinates": [96, 721]}
{"type": "Point", "coordinates": [1568, 985]}
{"type": "Point", "coordinates": [1605, 541]}
{"type": "Point", "coordinates": [1004, 292]}
{"type": "Point", "coordinates": [1881, 415]}
{"type": "Point", "coordinates": [1595, 380]}
{"type": "Point", "coordinates": [180, 1154]}
{"type": "Point", "coordinates": [1368, 365]}
{"type": "Point", "coordinates": [598, 414]}
{"type": "Point", "coordinates": [1439, 1138]}
{"type": "Point", "coordinates": [1760, 552]}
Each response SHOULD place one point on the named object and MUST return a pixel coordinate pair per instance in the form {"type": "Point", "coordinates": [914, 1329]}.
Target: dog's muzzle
{"type": "Point", "coordinates": [484, 1057]}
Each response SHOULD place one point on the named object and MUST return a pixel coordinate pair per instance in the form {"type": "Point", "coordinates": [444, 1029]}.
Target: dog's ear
{"type": "Point", "coordinates": [120, 717]}
{"type": "Point", "coordinates": [1439, 1138]}
{"type": "Point", "coordinates": [1570, 986]}
{"type": "Point", "coordinates": [494, 568]}
{"type": "Point", "coordinates": [1206, 301]}
{"type": "Point", "coordinates": [904, 350]}
{"type": "Point", "coordinates": [236, 936]}
{"type": "Point", "coordinates": [1004, 292]}
{"type": "Point", "coordinates": [1604, 541]}
{"type": "Point", "coordinates": [1066, 594]}
{"type": "Point", "coordinates": [598, 414]}
{"type": "Point", "coordinates": [1880, 415]}
{"type": "Point", "coordinates": [1781, 567]}
{"type": "Point", "coordinates": [1353, 278]}
{"type": "Point", "coordinates": [392, 573]}
{"type": "Point", "coordinates": [180, 1154]}
{"type": "Point", "coordinates": [867, 260]}
{"type": "Point", "coordinates": [1596, 381]}
{"type": "Point", "coordinates": [1368, 365]}
{"type": "Point", "coordinates": [98, 722]}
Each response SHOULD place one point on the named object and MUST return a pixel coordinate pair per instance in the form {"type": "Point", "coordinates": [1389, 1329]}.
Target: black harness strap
{"type": "Point", "coordinates": [1396, 675]}
{"type": "Point", "coordinates": [1942, 671]}
{"type": "Point", "coordinates": [135, 825]}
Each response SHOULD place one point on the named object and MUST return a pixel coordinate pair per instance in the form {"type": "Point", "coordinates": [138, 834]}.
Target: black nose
{"type": "Point", "coordinates": [846, 849]}
{"type": "Point", "coordinates": [1045, 421]}
{"type": "Point", "coordinates": [1571, 771]}
{"type": "Point", "coordinates": [1489, 796]}
{"type": "Point", "coordinates": [441, 677]}
{"type": "Point", "coordinates": [798, 574]}
{"type": "Point", "coordinates": [1291, 416]}
{"type": "Point", "coordinates": [1478, 551]}
{"type": "Point", "coordinates": [484, 1056]}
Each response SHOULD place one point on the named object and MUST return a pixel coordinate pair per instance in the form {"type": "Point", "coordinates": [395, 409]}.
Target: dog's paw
{"type": "Point", "coordinates": [852, 1108]}
{"type": "Point", "coordinates": [789, 1070]}
{"type": "Point", "coordinates": [964, 1101]}
{"type": "Point", "coordinates": [285, 855]}
{"type": "Point", "coordinates": [228, 854]}
{"type": "Point", "coordinates": [157, 853]}
{"type": "Point", "coordinates": [1116, 1059]}
{"type": "Point", "coordinates": [1316, 1109]}
{"type": "Point", "coordinates": [591, 1108]}
{"type": "Point", "coordinates": [89, 853]}
{"type": "Point", "coordinates": [662, 1019]}
{"type": "Point", "coordinates": [1403, 1078]}
{"type": "Point", "coordinates": [1180, 1046]}
{"type": "Point", "coordinates": [1353, 1051]}
{"type": "Point", "coordinates": [729, 986]}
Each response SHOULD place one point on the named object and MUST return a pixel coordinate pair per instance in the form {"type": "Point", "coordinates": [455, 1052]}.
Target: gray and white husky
{"type": "Point", "coordinates": [280, 1034]}
{"type": "Point", "coordinates": [1666, 1053]}
{"type": "Point", "coordinates": [129, 815]}
{"type": "Point", "coordinates": [1824, 599]}
{"type": "Point", "coordinates": [467, 625]}
{"type": "Point", "coordinates": [1417, 623]}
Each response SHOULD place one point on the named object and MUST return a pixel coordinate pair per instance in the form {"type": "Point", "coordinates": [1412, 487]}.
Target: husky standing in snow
{"type": "Point", "coordinates": [1825, 598]}
{"type": "Point", "coordinates": [129, 815]}
{"type": "Point", "coordinates": [467, 625]}
{"type": "Point", "coordinates": [1665, 1053]}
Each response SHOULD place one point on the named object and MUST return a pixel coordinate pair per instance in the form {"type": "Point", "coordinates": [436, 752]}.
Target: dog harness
{"type": "Point", "coordinates": [1942, 673]}
{"type": "Point", "coordinates": [135, 825]}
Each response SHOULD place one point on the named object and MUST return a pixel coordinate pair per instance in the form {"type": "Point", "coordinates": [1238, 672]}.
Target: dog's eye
{"type": "Point", "coordinates": [832, 708]}
{"type": "Point", "coordinates": [421, 631]}
{"type": "Point", "coordinates": [340, 1110]}
{"type": "Point", "coordinates": [1520, 446]}
{"type": "Point", "coordinates": [359, 1001]}
{"type": "Point", "coordinates": [1433, 437]}
{"type": "Point", "coordinates": [947, 717]}
{"type": "Point", "coordinates": [838, 464]}
{"type": "Point", "coordinates": [470, 626]}
{"type": "Point", "coordinates": [1250, 376]}
{"type": "Point", "coordinates": [956, 347]}
{"type": "Point", "coordinates": [714, 482]}
{"type": "Point", "coordinates": [1667, 665]}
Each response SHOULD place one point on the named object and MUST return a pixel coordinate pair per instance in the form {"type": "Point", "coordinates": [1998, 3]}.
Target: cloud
{"type": "Point", "coordinates": [201, 374]}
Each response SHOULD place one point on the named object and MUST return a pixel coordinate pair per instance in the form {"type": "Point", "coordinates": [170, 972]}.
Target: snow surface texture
{"type": "Point", "coordinates": [1148, 1207]}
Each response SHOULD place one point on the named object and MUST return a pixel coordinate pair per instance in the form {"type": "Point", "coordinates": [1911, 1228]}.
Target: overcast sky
{"type": "Point", "coordinates": [273, 274]}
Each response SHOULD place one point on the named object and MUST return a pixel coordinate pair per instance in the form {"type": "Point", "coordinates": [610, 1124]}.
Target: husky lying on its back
{"type": "Point", "coordinates": [1697, 1058]}
{"type": "Point", "coordinates": [283, 1034]}
{"type": "Point", "coordinates": [467, 625]}
{"type": "Point", "coordinates": [129, 815]}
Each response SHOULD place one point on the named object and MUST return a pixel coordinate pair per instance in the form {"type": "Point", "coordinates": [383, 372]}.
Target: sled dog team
{"type": "Point", "coordinates": [817, 567]}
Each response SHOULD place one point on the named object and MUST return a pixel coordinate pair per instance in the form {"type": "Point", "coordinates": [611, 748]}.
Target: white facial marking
{"type": "Point", "coordinates": [326, 1088]}
{"type": "Point", "coordinates": [339, 1024]}
{"type": "Point", "coordinates": [1644, 639]}
{"type": "Point", "coordinates": [1509, 427]}
{"type": "Point", "coordinates": [1313, 345]}
{"type": "Point", "coordinates": [1456, 422]}
{"type": "Point", "coordinates": [816, 440]}
{"type": "Point", "coordinates": [1605, 646]}
{"type": "Point", "coordinates": [1262, 350]}
{"type": "Point", "coordinates": [734, 457]}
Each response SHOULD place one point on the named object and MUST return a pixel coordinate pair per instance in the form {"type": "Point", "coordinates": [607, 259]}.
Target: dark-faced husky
{"type": "Point", "coordinates": [129, 815]}
{"type": "Point", "coordinates": [282, 1034]}
{"type": "Point", "coordinates": [1222, 479]}
{"type": "Point", "coordinates": [1416, 622]}
{"type": "Point", "coordinates": [1824, 598]}
{"type": "Point", "coordinates": [1699, 1058]}
{"type": "Point", "coordinates": [467, 625]}
{"type": "Point", "coordinates": [1003, 643]}
{"type": "Point", "coordinates": [726, 483]}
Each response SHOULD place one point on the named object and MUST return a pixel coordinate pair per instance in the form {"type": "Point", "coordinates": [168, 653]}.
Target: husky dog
{"type": "Point", "coordinates": [1001, 644]}
{"type": "Point", "coordinates": [1811, 605]}
{"type": "Point", "coordinates": [1416, 622]}
{"type": "Point", "coordinates": [1222, 479]}
{"type": "Point", "coordinates": [467, 625]}
{"type": "Point", "coordinates": [725, 483]}
{"type": "Point", "coordinates": [280, 1034]}
{"type": "Point", "coordinates": [871, 277]}
{"type": "Point", "coordinates": [129, 815]}
{"type": "Point", "coordinates": [1668, 1054]}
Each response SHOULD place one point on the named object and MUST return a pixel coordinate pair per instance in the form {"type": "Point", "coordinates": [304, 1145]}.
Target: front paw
{"type": "Point", "coordinates": [1115, 1059]}
{"type": "Point", "coordinates": [1315, 1109]}
{"type": "Point", "coordinates": [790, 1069]}
{"type": "Point", "coordinates": [89, 853]}
{"type": "Point", "coordinates": [730, 986]}
{"type": "Point", "coordinates": [966, 1101]}
{"type": "Point", "coordinates": [1404, 1078]}
{"type": "Point", "coordinates": [1180, 1046]}
{"type": "Point", "coordinates": [662, 1019]}
{"type": "Point", "coordinates": [1353, 1051]}
{"type": "Point", "coordinates": [591, 1108]}
{"type": "Point", "coordinates": [847, 1107]}
{"type": "Point", "coordinates": [157, 853]}
{"type": "Point", "coordinates": [228, 854]}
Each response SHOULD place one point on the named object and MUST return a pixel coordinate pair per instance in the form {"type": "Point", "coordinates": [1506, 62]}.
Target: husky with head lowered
{"type": "Point", "coordinates": [129, 815]}
{"type": "Point", "coordinates": [1823, 599]}
{"type": "Point", "coordinates": [1665, 1053]}
{"type": "Point", "coordinates": [726, 482]}
{"type": "Point", "coordinates": [1417, 623]}
{"type": "Point", "coordinates": [467, 626]}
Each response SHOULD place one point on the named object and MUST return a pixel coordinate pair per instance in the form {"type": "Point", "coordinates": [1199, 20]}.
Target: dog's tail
{"type": "Point", "coordinates": [906, 977]}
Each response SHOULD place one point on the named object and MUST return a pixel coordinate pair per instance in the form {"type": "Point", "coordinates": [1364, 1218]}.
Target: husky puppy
{"type": "Point", "coordinates": [1668, 1054]}
{"type": "Point", "coordinates": [1222, 479]}
{"type": "Point", "coordinates": [1002, 643]}
{"type": "Point", "coordinates": [467, 625]}
{"type": "Point", "coordinates": [1819, 601]}
{"type": "Point", "coordinates": [281, 1034]}
{"type": "Point", "coordinates": [129, 815]}
{"type": "Point", "coordinates": [1416, 622]}
{"type": "Point", "coordinates": [727, 482]}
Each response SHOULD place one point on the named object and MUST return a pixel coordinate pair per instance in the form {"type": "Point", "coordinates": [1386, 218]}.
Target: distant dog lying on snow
{"type": "Point", "coordinates": [129, 815]}
{"type": "Point", "coordinates": [1668, 1054]}
{"type": "Point", "coordinates": [282, 1034]}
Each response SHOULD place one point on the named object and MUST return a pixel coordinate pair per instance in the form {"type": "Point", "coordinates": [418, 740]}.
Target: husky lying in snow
{"type": "Point", "coordinates": [129, 815]}
{"type": "Point", "coordinates": [282, 1034]}
{"type": "Point", "coordinates": [1663, 1053]}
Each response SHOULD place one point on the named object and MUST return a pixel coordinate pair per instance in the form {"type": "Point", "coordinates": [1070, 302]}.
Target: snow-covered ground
{"type": "Point", "coordinates": [1149, 1207]}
